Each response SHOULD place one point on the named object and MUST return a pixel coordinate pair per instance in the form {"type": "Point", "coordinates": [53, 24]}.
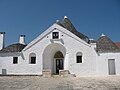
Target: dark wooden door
{"type": "Point", "coordinates": [59, 65]}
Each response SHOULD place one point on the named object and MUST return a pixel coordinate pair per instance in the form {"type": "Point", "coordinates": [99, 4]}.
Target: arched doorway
{"type": "Point", "coordinates": [58, 62]}
{"type": "Point", "coordinates": [54, 54]}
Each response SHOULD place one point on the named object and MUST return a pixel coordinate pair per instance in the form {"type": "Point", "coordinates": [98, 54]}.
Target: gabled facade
{"type": "Point", "coordinates": [61, 48]}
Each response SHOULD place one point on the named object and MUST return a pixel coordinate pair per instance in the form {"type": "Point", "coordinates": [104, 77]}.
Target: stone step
{"type": "Point", "coordinates": [46, 73]}
{"type": "Point", "coordinates": [55, 76]}
{"type": "Point", "coordinates": [65, 73]}
{"type": "Point", "coordinates": [62, 73]}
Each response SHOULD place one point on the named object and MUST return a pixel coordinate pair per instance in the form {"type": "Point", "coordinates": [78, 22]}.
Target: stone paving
{"type": "Point", "coordinates": [59, 83]}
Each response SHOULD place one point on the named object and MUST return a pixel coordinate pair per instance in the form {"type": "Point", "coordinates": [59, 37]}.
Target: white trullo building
{"type": "Point", "coordinates": [59, 50]}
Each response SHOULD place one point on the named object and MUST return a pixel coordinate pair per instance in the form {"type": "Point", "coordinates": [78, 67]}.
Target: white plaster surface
{"type": "Point", "coordinates": [69, 44]}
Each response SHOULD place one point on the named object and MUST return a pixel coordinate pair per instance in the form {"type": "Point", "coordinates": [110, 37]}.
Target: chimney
{"type": "Point", "coordinates": [22, 39]}
{"type": "Point", "coordinates": [2, 34]}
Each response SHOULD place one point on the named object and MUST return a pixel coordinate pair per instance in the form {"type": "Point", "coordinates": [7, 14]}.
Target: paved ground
{"type": "Point", "coordinates": [57, 83]}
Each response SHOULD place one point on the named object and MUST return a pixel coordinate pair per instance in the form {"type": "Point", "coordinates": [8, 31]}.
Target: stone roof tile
{"type": "Point", "coordinates": [66, 23]}
{"type": "Point", "coordinates": [13, 48]}
{"type": "Point", "coordinates": [105, 44]}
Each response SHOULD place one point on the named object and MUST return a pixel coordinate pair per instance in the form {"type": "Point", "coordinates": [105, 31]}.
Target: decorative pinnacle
{"type": "Point", "coordinates": [22, 35]}
{"type": "Point", "coordinates": [57, 21]}
{"type": "Point", "coordinates": [2, 32]}
{"type": "Point", "coordinates": [65, 17]}
{"type": "Point", "coordinates": [102, 35]}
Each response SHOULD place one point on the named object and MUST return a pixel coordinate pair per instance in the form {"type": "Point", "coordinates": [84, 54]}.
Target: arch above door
{"type": "Point", "coordinates": [52, 53]}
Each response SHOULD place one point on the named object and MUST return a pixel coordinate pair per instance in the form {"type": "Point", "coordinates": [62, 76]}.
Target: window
{"type": "Point", "coordinates": [55, 35]}
{"type": "Point", "coordinates": [79, 57]}
{"type": "Point", "coordinates": [32, 58]}
{"type": "Point", "coordinates": [15, 60]}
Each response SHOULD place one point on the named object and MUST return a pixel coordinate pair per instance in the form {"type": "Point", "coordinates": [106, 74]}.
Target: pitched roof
{"type": "Point", "coordinates": [117, 44]}
{"type": "Point", "coordinates": [13, 48]}
{"type": "Point", "coordinates": [105, 44]}
{"type": "Point", "coordinates": [66, 23]}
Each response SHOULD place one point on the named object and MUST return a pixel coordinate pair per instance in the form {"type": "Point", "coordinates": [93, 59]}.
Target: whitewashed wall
{"type": "Point", "coordinates": [23, 67]}
{"type": "Point", "coordinates": [45, 47]}
{"type": "Point", "coordinates": [102, 63]}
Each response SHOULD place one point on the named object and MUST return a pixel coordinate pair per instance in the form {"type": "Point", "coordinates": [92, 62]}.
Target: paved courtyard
{"type": "Point", "coordinates": [58, 83]}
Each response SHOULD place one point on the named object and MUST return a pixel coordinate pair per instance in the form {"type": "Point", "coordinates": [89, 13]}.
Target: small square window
{"type": "Point", "coordinates": [33, 60]}
{"type": "Point", "coordinates": [79, 59]}
{"type": "Point", "coordinates": [15, 60]}
{"type": "Point", "coordinates": [55, 35]}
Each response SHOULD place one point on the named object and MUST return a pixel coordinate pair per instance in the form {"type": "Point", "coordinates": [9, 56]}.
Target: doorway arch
{"type": "Point", "coordinates": [58, 54]}
{"type": "Point", "coordinates": [50, 54]}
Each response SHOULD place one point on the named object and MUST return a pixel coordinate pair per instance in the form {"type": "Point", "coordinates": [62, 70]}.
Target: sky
{"type": "Point", "coordinates": [32, 17]}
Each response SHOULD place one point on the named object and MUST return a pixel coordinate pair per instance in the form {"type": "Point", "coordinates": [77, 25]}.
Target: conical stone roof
{"type": "Point", "coordinates": [13, 48]}
{"type": "Point", "coordinates": [66, 23]}
{"type": "Point", "coordinates": [105, 44]}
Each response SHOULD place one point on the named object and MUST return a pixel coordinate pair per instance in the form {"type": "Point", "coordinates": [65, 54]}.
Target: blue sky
{"type": "Point", "coordinates": [32, 17]}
